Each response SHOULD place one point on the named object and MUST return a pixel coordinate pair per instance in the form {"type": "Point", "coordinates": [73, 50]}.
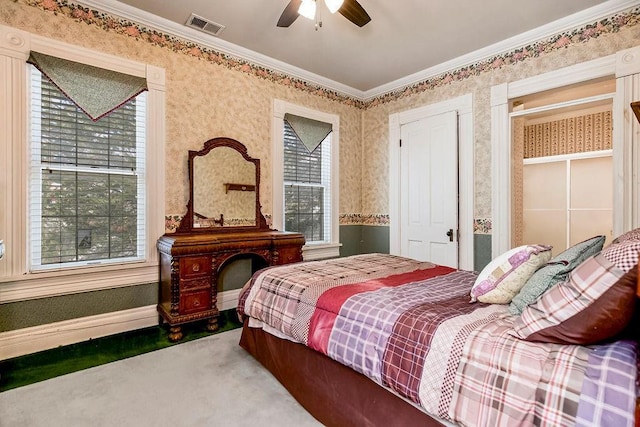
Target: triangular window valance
{"type": "Point", "coordinates": [94, 90]}
{"type": "Point", "coordinates": [310, 132]}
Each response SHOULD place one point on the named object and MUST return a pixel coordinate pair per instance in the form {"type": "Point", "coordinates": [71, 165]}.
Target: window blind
{"type": "Point", "coordinates": [307, 187]}
{"type": "Point", "coordinates": [87, 181]}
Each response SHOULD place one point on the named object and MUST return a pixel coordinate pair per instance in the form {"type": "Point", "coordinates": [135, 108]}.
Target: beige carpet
{"type": "Point", "coordinates": [207, 382]}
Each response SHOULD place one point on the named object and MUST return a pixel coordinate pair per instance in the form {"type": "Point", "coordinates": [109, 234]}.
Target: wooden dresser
{"type": "Point", "coordinates": [191, 263]}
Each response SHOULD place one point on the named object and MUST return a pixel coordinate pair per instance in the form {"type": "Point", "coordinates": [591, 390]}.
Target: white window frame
{"type": "Point", "coordinates": [311, 251]}
{"type": "Point", "coordinates": [16, 281]}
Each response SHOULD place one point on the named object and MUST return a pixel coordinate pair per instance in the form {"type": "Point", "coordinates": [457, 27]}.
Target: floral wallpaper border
{"type": "Point", "coordinates": [364, 219]}
{"type": "Point", "coordinates": [119, 25]}
{"type": "Point", "coordinates": [480, 225]}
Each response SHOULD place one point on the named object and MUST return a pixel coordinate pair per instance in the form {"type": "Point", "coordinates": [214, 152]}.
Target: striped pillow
{"type": "Point", "coordinates": [543, 320]}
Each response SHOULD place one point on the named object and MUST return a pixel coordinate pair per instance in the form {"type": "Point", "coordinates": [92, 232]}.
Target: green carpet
{"type": "Point", "coordinates": [31, 368]}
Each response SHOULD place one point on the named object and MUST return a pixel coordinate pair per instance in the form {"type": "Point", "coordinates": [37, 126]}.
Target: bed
{"type": "Point", "coordinates": [377, 339]}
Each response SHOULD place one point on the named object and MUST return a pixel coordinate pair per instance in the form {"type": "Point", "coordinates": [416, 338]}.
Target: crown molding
{"type": "Point", "coordinates": [570, 22]}
{"type": "Point", "coordinates": [567, 23]}
{"type": "Point", "coordinates": [116, 8]}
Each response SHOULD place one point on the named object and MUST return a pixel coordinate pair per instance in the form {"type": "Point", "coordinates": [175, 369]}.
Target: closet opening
{"type": "Point", "coordinates": [562, 165]}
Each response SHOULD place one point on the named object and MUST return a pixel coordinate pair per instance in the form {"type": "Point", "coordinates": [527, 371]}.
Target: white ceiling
{"type": "Point", "coordinates": [404, 37]}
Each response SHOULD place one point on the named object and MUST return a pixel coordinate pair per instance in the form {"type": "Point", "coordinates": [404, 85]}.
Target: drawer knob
{"type": "Point", "coordinates": [196, 267]}
{"type": "Point", "coordinates": [196, 303]}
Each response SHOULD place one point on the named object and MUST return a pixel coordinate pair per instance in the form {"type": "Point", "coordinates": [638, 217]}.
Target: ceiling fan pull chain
{"type": "Point", "coordinates": [318, 19]}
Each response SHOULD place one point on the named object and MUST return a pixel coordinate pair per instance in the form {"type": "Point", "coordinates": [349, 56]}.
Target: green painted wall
{"type": "Point", "coordinates": [24, 314]}
{"type": "Point", "coordinates": [363, 239]}
{"type": "Point", "coordinates": [481, 251]}
{"type": "Point", "coordinates": [360, 239]}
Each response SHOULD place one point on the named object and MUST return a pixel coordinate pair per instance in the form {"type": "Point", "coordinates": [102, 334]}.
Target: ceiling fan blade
{"type": "Point", "coordinates": [352, 10]}
{"type": "Point", "coordinates": [289, 14]}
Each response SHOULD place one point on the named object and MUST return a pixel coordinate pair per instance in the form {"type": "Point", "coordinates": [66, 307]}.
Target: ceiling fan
{"type": "Point", "coordinates": [350, 9]}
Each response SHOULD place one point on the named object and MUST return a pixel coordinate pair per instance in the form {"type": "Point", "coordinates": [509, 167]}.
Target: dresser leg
{"type": "Point", "coordinates": [175, 333]}
{"type": "Point", "coordinates": [212, 325]}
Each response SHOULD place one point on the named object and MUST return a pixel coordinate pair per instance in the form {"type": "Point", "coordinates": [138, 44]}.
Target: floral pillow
{"type": "Point", "coordinates": [595, 303]}
{"type": "Point", "coordinates": [503, 278]}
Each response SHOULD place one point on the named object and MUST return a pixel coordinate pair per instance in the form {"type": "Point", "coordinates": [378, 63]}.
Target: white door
{"type": "Point", "coordinates": [429, 189]}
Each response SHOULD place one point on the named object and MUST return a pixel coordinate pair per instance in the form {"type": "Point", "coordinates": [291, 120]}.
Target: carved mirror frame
{"type": "Point", "coordinates": [186, 225]}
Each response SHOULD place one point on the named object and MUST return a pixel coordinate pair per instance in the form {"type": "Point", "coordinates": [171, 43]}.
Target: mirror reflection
{"type": "Point", "coordinates": [224, 185]}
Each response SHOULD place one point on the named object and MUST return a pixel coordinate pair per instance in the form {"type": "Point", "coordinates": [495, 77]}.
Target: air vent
{"type": "Point", "coordinates": [200, 23]}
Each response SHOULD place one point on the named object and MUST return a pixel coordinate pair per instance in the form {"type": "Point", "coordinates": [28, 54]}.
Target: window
{"type": "Point", "coordinates": [306, 177]}
{"type": "Point", "coordinates": [87, 183]}
{"type": "Point", "coordinates": [307, 187]}
{"type": "Point", "coordinates": [98, 254]}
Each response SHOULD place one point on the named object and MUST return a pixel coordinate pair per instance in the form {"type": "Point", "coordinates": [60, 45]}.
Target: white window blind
{"type": "Point", "coordinates": [307, 187]}
{"type": "Point", "coordinates": [87, 181]}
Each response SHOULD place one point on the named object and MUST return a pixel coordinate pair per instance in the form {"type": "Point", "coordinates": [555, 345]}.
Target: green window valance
{"type": "Point", "coordinates": [94, 90]}
{"type": "Point", "coordinates": [310, 132]}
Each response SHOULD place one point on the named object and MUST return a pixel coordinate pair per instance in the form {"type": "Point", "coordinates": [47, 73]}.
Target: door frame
{"type": "Point", "coordinates": [625, 66]}
{"type": "Point", "coordinates": [463, 105]}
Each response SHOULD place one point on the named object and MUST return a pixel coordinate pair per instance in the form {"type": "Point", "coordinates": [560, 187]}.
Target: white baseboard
{"type": "Point", "coordinates": [43, 337]}
{"type": "Point", "coordinates": [228, 299]}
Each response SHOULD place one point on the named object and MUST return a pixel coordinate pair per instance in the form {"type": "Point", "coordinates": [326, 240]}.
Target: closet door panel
{"type": "Point", "coordinates": [546, 228]}
{"type": "Point", "coordinates": [592, 183]}
{"type": "Point", "coordinates": [545, 186]}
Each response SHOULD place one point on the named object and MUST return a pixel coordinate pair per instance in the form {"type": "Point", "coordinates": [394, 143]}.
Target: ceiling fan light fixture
{"type": "Point", "coordinates": [308, 9]}
{"type": "Point", "coordinates": [333, 5]}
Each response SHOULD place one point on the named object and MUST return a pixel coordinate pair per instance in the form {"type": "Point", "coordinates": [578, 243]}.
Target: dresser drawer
{"type": "Point", "coordinates": [193, 284]}
{"type": "Point", "coordinates": [195, 266]}
{"type": "Point", "coordinates": [193, 302]}
{"type": "Point", "coordinates": [289, 255]}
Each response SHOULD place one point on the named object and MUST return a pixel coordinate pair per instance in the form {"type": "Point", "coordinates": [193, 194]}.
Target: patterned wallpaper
{"type": "Point", "coordinates": [202, 100]}
{"type": "Point", "coordinates": [590, 132]}
{"type": "Point", "coordinates": [517, 179]}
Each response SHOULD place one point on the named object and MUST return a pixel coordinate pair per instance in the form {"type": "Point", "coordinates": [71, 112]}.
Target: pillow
{"type": "Point", "coordinates": [504, 276]}
{"type": "Point", "coordinates": [629, 235]}
{"type": "Point", "coordinates": [555, 271]}
{"type": "Point", "coordinates": [624, 254]}
{"type": "Point", "coordinates": [595, 303]}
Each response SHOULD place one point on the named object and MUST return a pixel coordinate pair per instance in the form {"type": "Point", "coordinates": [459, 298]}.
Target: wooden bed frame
{"type": "Point", "coordinates": [334, 394]}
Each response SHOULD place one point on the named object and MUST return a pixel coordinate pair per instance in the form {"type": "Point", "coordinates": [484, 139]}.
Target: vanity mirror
{"type": "Point", "coordinates": [224, 189]}
{"type": "Point", "coordinates": [223, 223]}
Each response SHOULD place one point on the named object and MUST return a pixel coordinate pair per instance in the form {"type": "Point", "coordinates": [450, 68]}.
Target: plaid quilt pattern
{"type": "Point", "coordinates": [285, 297]}
{"type": "Point", "coordinates": [586, 283]}
{"type": "Point", "coordinates": [505, 381]}
{"type": "Point", "coordinates": [612, 369]}
{"type": "Point", "coordinates": [371, 329]}
{"type": "Point", "coordinates": [423, 340]}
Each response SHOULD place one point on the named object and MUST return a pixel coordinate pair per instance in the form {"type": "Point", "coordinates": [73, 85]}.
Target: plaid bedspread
{"type": "Point", "coordinates": [409, 327]}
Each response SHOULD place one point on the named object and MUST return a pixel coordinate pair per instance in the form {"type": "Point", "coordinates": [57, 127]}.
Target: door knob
{"type": "Point", "coordinates": [450, 234]}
